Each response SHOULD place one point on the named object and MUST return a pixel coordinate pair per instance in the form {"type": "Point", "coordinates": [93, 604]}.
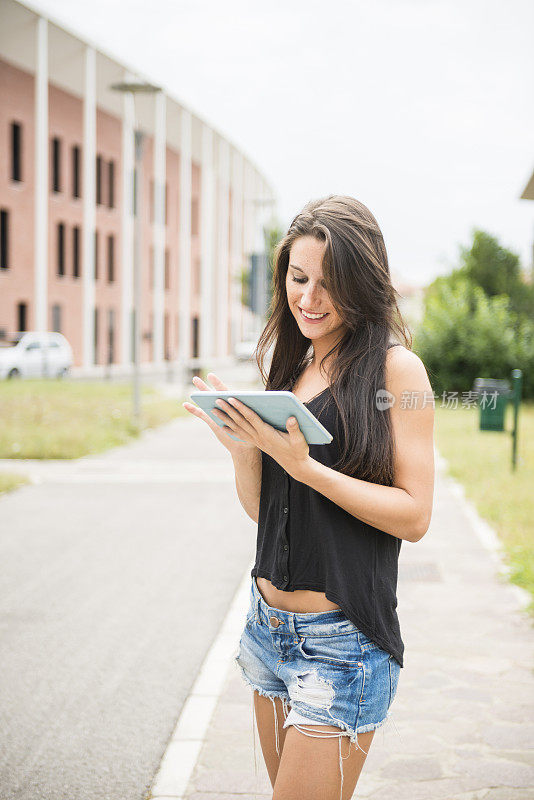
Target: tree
{"type": "Point", "coordinates": [478, 321]}
{"type": "Point", "coordinates": [272, 235]}
{"type": "Point", "coordinates": [497, 271]}
{"type": "Point", "coordinates": [491, 266]}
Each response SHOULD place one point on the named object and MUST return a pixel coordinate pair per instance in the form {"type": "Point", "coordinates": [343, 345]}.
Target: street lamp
{"type": "Point", "coordinates": [133, 88]}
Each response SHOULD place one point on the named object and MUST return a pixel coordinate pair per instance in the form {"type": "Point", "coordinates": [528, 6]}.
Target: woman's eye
{"type": "Point", "coordinates": [301, 280]}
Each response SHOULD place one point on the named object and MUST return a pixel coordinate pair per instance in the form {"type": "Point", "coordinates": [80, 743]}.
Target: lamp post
{"type": "Point", "coordinates": [137, 87]}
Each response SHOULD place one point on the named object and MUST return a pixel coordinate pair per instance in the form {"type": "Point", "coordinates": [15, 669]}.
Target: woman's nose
{"type": "Point", "coordinates": [310, 298]}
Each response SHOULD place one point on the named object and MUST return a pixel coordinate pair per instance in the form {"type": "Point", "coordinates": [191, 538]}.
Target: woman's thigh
{"type": "Point", "coordinates": [324, 768]}
{"type": "Point", "coordinates": [270, 715]}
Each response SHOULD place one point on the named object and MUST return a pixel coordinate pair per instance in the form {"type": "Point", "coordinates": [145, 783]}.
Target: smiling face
{"type": "Point", "coordinates": [306, 292]}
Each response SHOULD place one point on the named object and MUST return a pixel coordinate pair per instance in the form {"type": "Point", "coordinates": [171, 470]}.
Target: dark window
{"type": "Point", "coordinates": [76, 251]}
{"type": "Point", "coordinates": [56, 318]}
{"type": "Point", "coordinates": [111, 184]}
{"type": "Point", "coordinates": [96, 336]}
{"type": "Point", "coordinates": [76, 165]}
{"type": "Point", "coordinates": [96, 255]}
{"type": "Point", "coordinates": [4, 239]}
{"type": "Point", "coordinates": [166, 337]}
{"type": "Point", "coordinates": [16, 151]}
{"type": "Point", "coordinates": [134, 206]}
{"type": "Point", "coordinates": [167, 269]}
{"type": "Point", "coordinates": [111, 259]}
{"type": "Point", "coordinates": [22, 317]}
{"type": "Point", "coordinates": [194, 216]}
{"type": "Point", "coordinates": [111, 336]}
{"type": "Point", "coordinates": [99, 177]}
{"type": "Point", "coordinates": [60, 248]}
{"type": "Point", "coordinates": [56, 164]}
{"type": "Point", "coordinates": [195, 337]}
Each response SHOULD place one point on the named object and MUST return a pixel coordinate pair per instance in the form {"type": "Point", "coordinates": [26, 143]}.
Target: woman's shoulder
{"type": "Point", "coordinates": [399, 354]}
{"type": "Point", "coordinates": [405, 366]}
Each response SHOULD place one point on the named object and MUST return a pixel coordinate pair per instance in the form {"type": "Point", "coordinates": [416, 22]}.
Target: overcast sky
{"type": "Point", "coordinates": [421, 109]}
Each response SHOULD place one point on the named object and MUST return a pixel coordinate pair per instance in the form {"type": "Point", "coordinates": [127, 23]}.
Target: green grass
{"type": "Point", "coordinates": [11, 480]}
{"type": "Point", "coordinates": [481, 462]}
{"type": "Point", "coordinates": [62, 419]}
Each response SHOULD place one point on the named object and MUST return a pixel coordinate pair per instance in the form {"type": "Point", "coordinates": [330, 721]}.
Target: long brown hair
{"type": "Point", "coordinates": [357, 278]}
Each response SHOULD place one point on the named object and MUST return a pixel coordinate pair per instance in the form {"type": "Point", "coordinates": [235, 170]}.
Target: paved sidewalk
{"type": "Point", "coordinates": [462, 726]}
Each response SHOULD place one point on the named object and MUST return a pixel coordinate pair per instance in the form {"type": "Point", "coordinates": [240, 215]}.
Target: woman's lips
{"type": "Point", "coordinates": [312, 321]}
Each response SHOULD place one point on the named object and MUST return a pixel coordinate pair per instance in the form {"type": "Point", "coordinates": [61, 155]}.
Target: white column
{"type": "Point", "coordinates": [184, 296]}
{"type": "Point", "coordinates": [223, 243]}
{"type": "Point", "coordinates": [238, 261]}
{"type": "Point", "coordinates": [89, 209]}
{"type": "Point", "coordinates": [158, 225]}
{"type": "Point", "coordinates": [127, 223]}
{"type": "Point", "coordinates": [41, 322]}
{"type": "Point", "coordinates": [249, 209]}
{"type": "Point", "coordinates": [206, 238]}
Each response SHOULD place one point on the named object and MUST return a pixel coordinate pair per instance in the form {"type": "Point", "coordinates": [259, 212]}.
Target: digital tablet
{"type": "Point", "coordinates": [274, 407]}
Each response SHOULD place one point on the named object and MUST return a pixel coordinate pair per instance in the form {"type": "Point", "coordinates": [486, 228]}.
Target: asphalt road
{"type": "Point", "coordinates": [115, 574]}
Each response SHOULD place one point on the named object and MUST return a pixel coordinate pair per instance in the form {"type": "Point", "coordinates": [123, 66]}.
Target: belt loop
{"type": "Point", "coordinates": [257, 610]}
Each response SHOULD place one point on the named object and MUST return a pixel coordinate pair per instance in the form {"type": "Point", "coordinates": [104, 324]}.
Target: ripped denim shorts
{"type": "Point", "coordinates": [321, 666]}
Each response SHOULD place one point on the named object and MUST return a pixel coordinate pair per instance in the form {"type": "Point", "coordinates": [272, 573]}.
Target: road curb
{"type": "Point", "coordinates": [183, 749]}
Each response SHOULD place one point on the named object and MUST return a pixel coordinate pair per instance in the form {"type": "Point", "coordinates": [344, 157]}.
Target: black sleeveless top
{"type": "Point", "coordinates": [306, 541]}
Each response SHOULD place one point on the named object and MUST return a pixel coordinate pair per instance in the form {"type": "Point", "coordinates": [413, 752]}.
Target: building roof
{"type": "Point", "coordinates": [66, 53]}
{"type": "Point", "coordinates": [528, 191]}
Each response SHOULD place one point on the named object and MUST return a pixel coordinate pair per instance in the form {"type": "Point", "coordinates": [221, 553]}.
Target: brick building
{"type": "Point", "coordinates": [66, 207]}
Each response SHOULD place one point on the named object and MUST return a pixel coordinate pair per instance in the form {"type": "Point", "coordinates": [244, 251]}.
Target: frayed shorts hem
{"type": "Point", "coordinates": [261, 691]}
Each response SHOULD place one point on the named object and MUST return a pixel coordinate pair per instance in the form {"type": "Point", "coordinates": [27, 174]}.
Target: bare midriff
{"type": "Point", "coordinates": [301, 601]}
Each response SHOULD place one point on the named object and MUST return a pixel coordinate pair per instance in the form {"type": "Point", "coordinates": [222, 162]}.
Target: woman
{"type": "Point", "coordinates": [322, 647]}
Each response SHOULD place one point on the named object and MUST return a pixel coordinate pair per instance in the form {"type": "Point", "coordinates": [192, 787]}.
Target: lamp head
{"type": "Point", "coordinates": [135, 87]}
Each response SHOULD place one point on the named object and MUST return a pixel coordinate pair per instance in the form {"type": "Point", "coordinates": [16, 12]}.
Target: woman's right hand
{"type": "Point", "coordinates": [233, 447]}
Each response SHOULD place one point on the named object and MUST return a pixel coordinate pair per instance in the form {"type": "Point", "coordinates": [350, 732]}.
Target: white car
{"type": "Point", "coordinates": [35, 354]}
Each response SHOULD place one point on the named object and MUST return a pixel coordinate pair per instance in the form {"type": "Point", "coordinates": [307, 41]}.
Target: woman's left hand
{"type": "Point", "coordinates": [289, 449]}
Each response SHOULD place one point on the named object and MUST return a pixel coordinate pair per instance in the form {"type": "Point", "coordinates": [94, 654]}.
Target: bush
{"type": "Point", "coordinates": [466, 334]}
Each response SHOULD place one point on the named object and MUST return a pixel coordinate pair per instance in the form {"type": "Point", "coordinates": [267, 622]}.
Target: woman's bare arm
{"type": "Point", "coordinates": [247, 467]}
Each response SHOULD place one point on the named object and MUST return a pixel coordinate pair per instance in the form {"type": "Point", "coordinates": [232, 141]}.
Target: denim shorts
{"type": "Point", "coordinates": [321, 666]}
